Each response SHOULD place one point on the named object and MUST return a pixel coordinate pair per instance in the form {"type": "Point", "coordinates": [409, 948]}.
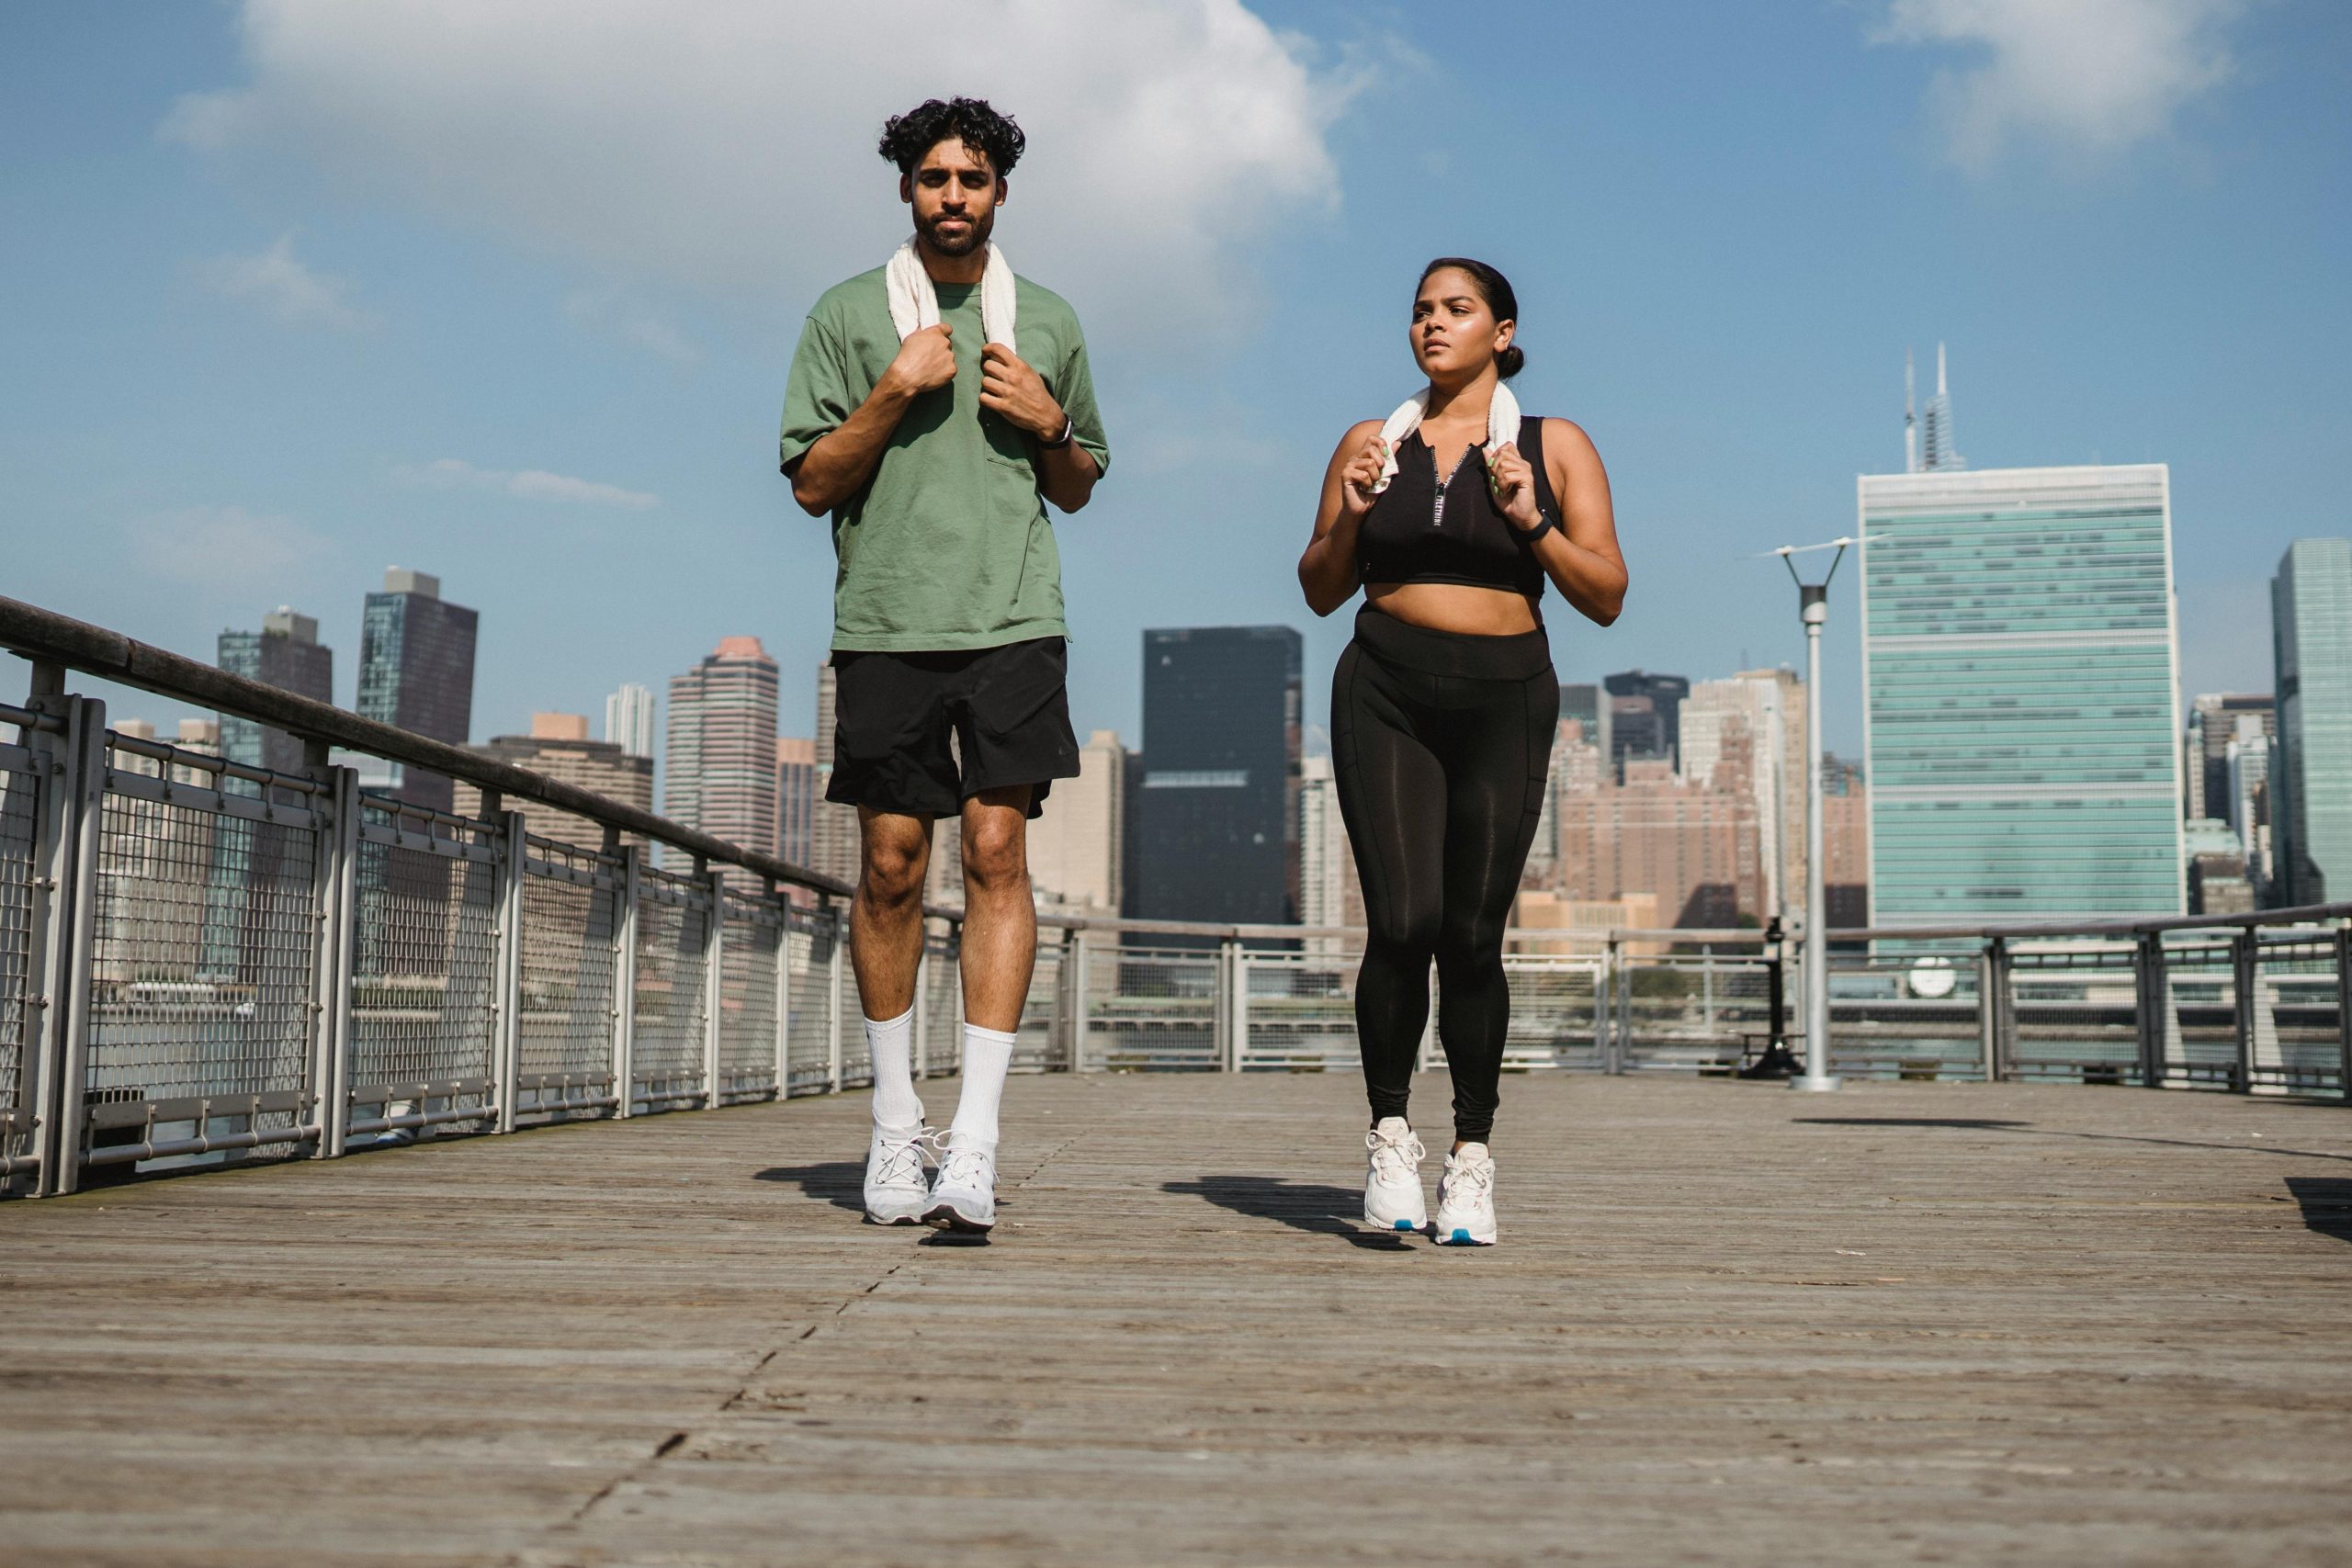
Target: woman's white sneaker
{"type": "Point", "coordinates": [1466, 1198]}
{"type": "Point", "coordinates": [1392, 1183]}
{"type": "Point", "coordinates": [964, 1198]}
{"type": "Point", "coordinates": [896, 1190]}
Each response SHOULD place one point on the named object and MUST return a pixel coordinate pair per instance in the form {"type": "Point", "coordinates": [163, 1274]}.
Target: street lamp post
{"type": "Point", "coordinates": [1813, 608]}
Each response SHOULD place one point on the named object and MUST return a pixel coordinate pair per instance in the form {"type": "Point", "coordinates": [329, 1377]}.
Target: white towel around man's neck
{"type": "Point", "coordinates": [914, 303]}
{"type": "Point", "coordinates": [1502, 427]}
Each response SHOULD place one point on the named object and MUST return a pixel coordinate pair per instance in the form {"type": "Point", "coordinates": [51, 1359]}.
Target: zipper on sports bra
{"type": "Point", "coordinates": [1444, 483]}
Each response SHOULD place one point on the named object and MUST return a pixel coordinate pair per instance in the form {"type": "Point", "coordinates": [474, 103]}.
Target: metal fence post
{"type": "Point", "coordinates": [506, 976]}
{"type": "Point", "coordinates": [73, 809]}
{"type": "Point", "coordinates": [1074, 962]}
{"type": "Point", "coordinates": [2344, 1011]}
{"type": "Point", "coordinates": [833, 1003]}
{"type": "Point", "coordinates": [922, 1007]}
{"type": "Point", "coordinates": [2247, 981]}
{"type": "Point", "coordinates": [783, 990]}
{"type": "Point", "coordinates": [1238, 1034]}
{"type": "Point", "coordinates": [2156, 994]}
{"type": "Point", "coordinates": [2003, 1005]}
{"type": "Point", "coordinates": [338, 959]}
{"type": "Point", "coordinates": [1988, 1013]}
{"type": "Point", "coordinates": [1605, 1007]}
{"type": "Point", "coordinates": [1622, 1037]}
{"type": "Point", "coordinates": [625, 982]}
{"type": "Point", "coordinates": [713, 989]}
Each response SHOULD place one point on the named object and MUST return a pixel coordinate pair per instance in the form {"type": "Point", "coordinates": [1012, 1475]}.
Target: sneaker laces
{"type": "Point", "coordinates": [902, 1158]}
{"type": "Point", "coordinates": [966, 1168]}
{"type": "Point", "coordinates": [1478, 1178]}
{"type": "Point", "coordinates": [1393, 1159]}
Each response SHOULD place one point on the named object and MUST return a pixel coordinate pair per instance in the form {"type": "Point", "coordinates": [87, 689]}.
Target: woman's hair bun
{"type": "Point", "coordinates": [1510, 362]}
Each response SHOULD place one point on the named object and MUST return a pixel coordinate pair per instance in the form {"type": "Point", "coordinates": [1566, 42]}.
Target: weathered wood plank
{"type": "Point", "coordinates": [1906, 1322]}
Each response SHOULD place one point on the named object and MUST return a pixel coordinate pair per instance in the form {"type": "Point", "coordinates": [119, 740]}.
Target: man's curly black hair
{"type": "Point", "coordinates": [909, 136]}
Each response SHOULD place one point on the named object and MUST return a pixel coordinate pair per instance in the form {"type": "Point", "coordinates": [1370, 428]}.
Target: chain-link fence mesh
{"type": "Point", "coordinates": [1907, 1013]}
{"type": "Point", "coordinates": [750, 947]}
{"type": "Point", "coordinates": [812, 935]}
{"type": "Point", "coordinates": [1153, 1009]}
{"type": "Point", "coordinates": [2303, 1049]}
{"type": "Point", "coordinates": [1037, 1044]}
{"type": "Point", "coordinates": [942, 1001]}
{"type": "Point", "coordinates": [1552, 1017]}
{"type": "Point", "coordinates": [425, 960]}
{"type": "Point", "coordinates": [569, 969]}
{"type": "Point", "coordinates": [673, 916]}
{"type": "Point", "coordinates": [19, 827]}
{"type": "Point", "coordinates": [204, 965]}
{"type": "Point", "coordinates": [1301, 1014]}
{"type": "Point", "coordinates": [2077, 1010]}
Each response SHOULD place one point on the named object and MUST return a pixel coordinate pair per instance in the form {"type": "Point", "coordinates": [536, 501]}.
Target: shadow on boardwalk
{"type": "Point", "coordinates": [2326, 1203]}
{"type": "Point", "coordinates": [1302, 1205]}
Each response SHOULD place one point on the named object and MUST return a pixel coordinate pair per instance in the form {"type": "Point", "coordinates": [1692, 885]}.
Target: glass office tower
{"type": "Point", "coordinates": [416, 671]}
{"type": "Point", "coordinates": [285, 653]}
{"type": "Point", "coordinates": [2021, 678]}
{"type": "Point", "coordinates": [1216, 814]}
{"type": "Point", "coordinates": [2310, 776]}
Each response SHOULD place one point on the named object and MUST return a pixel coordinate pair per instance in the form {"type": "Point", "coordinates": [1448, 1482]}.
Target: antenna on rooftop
{"type": "Point", "coordinates": [1910, 416]}
{"type": "Point", "coordinates": [1937, 451]}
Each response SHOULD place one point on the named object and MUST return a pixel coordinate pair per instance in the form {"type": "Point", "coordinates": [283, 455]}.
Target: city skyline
{"type": "Point", "coordinates": [1737, 766]}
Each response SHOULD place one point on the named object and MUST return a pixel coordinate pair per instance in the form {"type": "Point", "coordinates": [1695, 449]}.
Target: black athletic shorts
{"type": "Point", "coordinates": [1006, 708]}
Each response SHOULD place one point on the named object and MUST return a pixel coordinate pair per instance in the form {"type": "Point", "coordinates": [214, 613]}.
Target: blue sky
{"type": "Point", "coordinates": [298, 290]}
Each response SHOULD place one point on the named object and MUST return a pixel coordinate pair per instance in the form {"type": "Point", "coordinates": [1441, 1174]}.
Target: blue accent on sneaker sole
{"type": "Point", "coordinates": [1463, 1237]}
{"type": "Point", "coordinates": [1406, 1225]}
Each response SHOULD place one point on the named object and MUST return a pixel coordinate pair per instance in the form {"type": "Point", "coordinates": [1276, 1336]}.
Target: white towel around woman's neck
{"type": "Point", "coordinates": [1502, 427]}
{"type": "Point", "coordinates": [914, 303]}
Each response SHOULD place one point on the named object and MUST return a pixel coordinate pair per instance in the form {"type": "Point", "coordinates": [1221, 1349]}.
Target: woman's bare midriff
{"type": "Point", "coordinates": [1458, 607]}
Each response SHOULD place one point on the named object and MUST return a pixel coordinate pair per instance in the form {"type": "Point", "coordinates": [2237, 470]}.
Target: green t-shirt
{"type": "Point", "coordinates": [948, 545]}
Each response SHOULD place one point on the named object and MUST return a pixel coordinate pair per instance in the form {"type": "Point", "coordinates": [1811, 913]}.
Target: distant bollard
{"type": "Point", "coordinates": [1778, 1061]}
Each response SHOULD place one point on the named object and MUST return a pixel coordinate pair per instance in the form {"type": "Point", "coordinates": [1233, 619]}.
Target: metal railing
{"type": "Point", "coordinates": [203, 961]}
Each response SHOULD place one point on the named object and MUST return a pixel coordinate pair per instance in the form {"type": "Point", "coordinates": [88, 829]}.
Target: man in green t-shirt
{"type": "Point", "coordinates": [936, 405]}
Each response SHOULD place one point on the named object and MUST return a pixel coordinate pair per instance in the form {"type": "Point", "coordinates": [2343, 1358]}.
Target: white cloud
{"type": "Point", "coordinates": [529, 484]}
{"type": "Point", "coordinates": [729, 144]}
{"type": "Point", "coordinates": [608, 310]}
{"type": "Point", "coordinates": [222, 544]}
{"type": "Point", "coordinates": [278, 282]}
{"type": "Point", "coordinates": [2089, 76]}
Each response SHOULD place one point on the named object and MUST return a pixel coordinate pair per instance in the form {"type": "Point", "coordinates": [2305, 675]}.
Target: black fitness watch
{"type": "Point", "coordinates": [1070, 428]}
{"type": "Point", "coordinates": [1544, 524]}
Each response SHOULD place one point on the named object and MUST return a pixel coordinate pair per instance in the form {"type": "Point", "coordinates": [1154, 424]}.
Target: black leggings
{"type": "Point", "coordinates": [1439, 744]}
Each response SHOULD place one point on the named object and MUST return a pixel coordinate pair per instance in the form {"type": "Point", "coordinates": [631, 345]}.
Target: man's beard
{"type": "Point", "coordinates": [976, 234]}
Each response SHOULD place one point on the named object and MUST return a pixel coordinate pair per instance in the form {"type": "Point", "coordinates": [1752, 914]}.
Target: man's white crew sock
{"type": "Point", "coordinates": [892, 1044]}
{"type": "Point", "coordinates": [988, 1057]}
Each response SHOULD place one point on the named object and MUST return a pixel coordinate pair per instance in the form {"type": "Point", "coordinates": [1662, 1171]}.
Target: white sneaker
{"type": "Point", "coordinates": [896, 1190]}
{"type": "Point", "coordinates": [1466, 1198]}
{"type": "Point", "coordinates": [964, 1198]}
{"type": "Point", "coordinates": [1392, 1186]}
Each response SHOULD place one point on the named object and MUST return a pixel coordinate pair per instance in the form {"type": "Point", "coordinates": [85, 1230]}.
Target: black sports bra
{"type": "Point", "coordinates": [1417, 532]}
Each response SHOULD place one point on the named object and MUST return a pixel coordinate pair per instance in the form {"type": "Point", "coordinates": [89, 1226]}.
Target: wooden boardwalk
{"type": "Point", "coordinates": [1728, 1324]}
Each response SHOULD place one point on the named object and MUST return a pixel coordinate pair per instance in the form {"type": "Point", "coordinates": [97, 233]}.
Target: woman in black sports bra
{"type": "Point", "coordinates": [1444, 708]}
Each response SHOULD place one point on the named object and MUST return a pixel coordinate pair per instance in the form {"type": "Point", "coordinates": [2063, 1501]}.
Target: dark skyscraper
{"type": "Point", "coordinates": [286, 654]}
{"type": "Point", "coordinates": [1217, 808]}
{"type": "Point", "coordinates": [1633, 734]}
{"type": "Point", "coordinates": [416, 671]}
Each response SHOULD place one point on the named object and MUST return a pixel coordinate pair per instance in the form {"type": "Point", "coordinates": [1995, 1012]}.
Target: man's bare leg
{"type": "Point", "coordinates": [885, 946]}
{"type": "Point", "coordinates": [999, 947]}
{"type": "Point", "coordinates": [885, 916]}
{"type": "Point", "coordinates": [999, 916]}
